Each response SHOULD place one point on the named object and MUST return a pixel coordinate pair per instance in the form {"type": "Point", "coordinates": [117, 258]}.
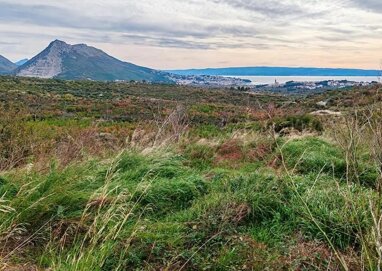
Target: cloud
{"type": "Point", "coordinates": [50, 15]}
{"type": "Point", "coordinates": [270, 8]}
{"type": "Point", "coordinates": [194, 27]}
{"type": "Point", "coordinates": [370, 5]}
{"type": "Point", "coordinates": [190, 34]}
{"type": "Point", "coordinates": [45, 15]}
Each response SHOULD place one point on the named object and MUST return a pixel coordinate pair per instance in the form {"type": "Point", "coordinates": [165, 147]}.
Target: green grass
{"type": "Point", "coordinates": [160, 210]}
{"type": "Point", "coordinates": [314, 155]}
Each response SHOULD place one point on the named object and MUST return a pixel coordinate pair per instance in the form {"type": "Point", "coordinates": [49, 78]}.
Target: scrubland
{"type": "Point", "coordinates": [126, 176]}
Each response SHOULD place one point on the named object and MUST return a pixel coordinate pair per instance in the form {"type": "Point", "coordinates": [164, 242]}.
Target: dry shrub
{"type": "Point", "coordinates": [74, 147]}
{"type": "Point", "coordinates": [162, 131]}
{"type": "Point", "coordinates": [16, 140]}
{"type": "Point", "coordinates": [19, 267]}
{"type": "Point", "coordinates": [236, 151]}
{"type": "Point", "coordinates": [252, 255]}
{"type": "Point", "coordinates": [142, 137]}
{"type": "Point", "coordinates": [230, 213]}
{"type": "Point", "coordinates": [65, 231]}
{"type": "Point", "coordinates": [21, 143]}
{"type": "Point", "coordinates": [238, 212]}
{"type": "Point", "coordinates": [229, 151]}
{"type": "Point", "coordinates": [260, 152]}
{"type": "Point", "coordinates": [314, 255]}
{"type": "Point", "coordinates": [373, 249]}
{"type": "Point", "coordinates": [349, 133]}
{"type": "Point", "coordinates": [222, 217]}
{"type": "Point", "coordinates": [357, 133]}
{"type": "Point", "coordinates": [173, 127]}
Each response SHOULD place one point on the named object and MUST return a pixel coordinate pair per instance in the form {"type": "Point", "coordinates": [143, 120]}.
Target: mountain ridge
{"type": "Point", "coordinates": [6, 66]}
{"type": "Point", "coordinates": [21, 62]}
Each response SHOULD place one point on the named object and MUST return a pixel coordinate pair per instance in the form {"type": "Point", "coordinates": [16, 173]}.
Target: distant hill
{"type": "Point", "coordinates": [6, 66]}
{"type": "Point", "coordinates": [278, 71]}
{"type": "Point", "coordinates": [21, 62]}
{"type": "Point", "coordinates": [74, 62]}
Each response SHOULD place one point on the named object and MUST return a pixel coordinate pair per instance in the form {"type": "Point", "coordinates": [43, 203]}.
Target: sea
{"type": "Point", "coordinates": [266, 80]}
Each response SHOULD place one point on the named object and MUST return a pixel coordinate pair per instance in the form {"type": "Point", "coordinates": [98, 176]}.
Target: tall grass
{"type": "Point", "coordinates": [361, 139]}
{"type": "Point", "coordinates": [242, 201]}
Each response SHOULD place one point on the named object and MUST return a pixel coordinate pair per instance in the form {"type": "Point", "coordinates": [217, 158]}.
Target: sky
{"type": "Point", "coordinates": [174, 34]}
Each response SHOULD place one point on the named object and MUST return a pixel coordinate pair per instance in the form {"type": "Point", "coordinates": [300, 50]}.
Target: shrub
{"type": "Point", "coordinates": [300, 123]}
{"type": "Point", "coordinates": [230, 152]}
{"type": "Point", "coordinates": [16, 139]}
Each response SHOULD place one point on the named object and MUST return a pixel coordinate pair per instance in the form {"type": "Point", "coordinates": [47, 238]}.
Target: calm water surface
{"type": "Point", "coordinates": [262, 80]}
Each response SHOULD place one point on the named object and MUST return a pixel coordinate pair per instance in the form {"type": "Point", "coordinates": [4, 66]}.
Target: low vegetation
{"type": "Point", "coordinates": [101, 176]}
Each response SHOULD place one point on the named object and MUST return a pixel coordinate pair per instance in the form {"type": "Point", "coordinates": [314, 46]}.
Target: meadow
{"type": "Point", "coordinates": [131, 176]}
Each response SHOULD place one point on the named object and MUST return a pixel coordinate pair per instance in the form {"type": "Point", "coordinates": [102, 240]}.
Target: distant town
{"type": "Point", "coordinates": [246, 85]}
{"type": "Point", "coordinates": [208, 80]}
{"type": "Point", "coordinates": [301, 87]}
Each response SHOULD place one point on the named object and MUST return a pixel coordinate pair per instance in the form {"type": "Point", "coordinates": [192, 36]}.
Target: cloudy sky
{"type": "Point", "coordinates": [169, 34]}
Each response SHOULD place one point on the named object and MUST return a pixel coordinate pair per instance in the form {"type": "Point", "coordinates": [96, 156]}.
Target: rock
{"type": "Point", "coordinates": [326, 113]}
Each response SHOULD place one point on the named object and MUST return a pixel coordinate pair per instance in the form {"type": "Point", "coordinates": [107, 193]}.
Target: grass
{"type": "Point", "coordinates": [314, 155]}
{"type": "Point", "coordinates": [91, 191]}
{"type": "Point", "coordinates": [164, 210]}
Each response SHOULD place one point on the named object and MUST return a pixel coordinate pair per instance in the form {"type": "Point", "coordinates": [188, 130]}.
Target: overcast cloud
{"type": "Point", "coordinates": [202, 33]}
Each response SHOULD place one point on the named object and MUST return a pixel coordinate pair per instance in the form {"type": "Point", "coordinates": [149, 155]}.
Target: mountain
{"type": "Point", "coordinates": [21, 62]}
{"type": "Point", "coordinates": [277, 71]}
{"type": "Point", "coordinates": [6, 66]}
{"type": "Point", "coordinates": [76, 62]}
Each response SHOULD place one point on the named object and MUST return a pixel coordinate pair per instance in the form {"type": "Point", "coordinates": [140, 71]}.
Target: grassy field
{"type": "Point", "coordinates": [126, 176]}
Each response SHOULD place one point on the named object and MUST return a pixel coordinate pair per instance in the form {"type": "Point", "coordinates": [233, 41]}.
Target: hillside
{"type": "Point", "coordinates": [131, 176]}
{"type": "Point", "coordinates": [6, 66]}
{"type": "Point", "coordinates": [63, 61]}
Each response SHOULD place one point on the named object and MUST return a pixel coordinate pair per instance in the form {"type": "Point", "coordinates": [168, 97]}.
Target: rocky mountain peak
{"type": "Point", "coordinates": [46, 64]}
{"type": "Point", "coordinates": [58, 46]}
{"type": "Point", "coordinates": [80, 61]}
{"type": "Point", "coordinates": [58, 43]}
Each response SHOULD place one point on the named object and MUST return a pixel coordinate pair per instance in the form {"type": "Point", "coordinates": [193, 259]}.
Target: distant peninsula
{"type": "Point", "coordinates": [277, 71]}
